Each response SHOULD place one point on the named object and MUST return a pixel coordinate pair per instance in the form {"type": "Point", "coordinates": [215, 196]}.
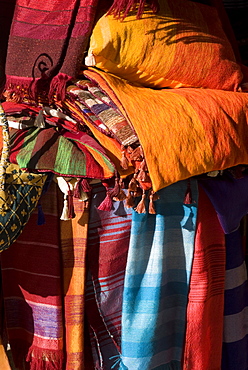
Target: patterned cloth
{"type": "Point", "coordinates": [108, 242]}
{"type": "Point", "coordinates": [203, 340]}
{"type": "Point", "coordinates": [32, 289]}
{"type": "Point", "coordinates": [235, 335]}
{"type": "Point", "coordinates": [50, 38]}
{"type": "Point", "coordinates": [73, 235]}
{"type": "Point", "coordinates": [157, 281]}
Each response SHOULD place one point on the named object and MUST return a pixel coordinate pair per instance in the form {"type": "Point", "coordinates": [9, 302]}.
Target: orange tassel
{"type": "Point", "coordinates": [129, 200]}
{"type": "Point", "coordinates": [152, 210]}
{"type": "Point", "coordinates": [141, 207]}
{"type": "Point", "coordinates": [133, 184]}
{"type": "Point", "coordinates": [124, 161]}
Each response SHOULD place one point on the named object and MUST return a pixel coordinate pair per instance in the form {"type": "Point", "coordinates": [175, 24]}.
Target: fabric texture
{"type": "Point", "coordinates": [51, 38]}
{"type": "Point", "coordinates": [165, 42]}
{"type": "Point", "coordinates": [204, 322]}
{"type": "Point", "coordinates": [107, 248]}
{"type": "Point", "coordinates": [51, 150]}
{"type": "Point", "coordinates": [193, 131]}
{"type": "Point", "coordinates": [157, 281]}
{"type": "Point", "coordinates": [235, 333]}
{"type": "Point", "coordinates": [73, 236]}
{"type": "Point", "coordinates": [32, 290]}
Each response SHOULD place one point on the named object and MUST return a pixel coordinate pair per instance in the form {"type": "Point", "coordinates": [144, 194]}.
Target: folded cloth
{"type": "Point", "coordinates": [204, 329]}
{"type": "Point", "coordinates": [156, 282]}
{"type": "Point", "coordinates": [51, 150]}
{"type": "Point", "coordinates": [183, 132]}
{"type": "Point", "coordinates": [32, 291]}
{"type": "Point", "coordinates": [50, 38]}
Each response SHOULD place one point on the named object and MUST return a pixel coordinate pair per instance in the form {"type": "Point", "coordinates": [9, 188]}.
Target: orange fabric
{"type": "Point", "coordinates": [3, 358]}
{"type": "Point", "coordinates": [183, 45]}
{"type": "Point", "coordinates": [73, 243]}
{"type": "Point", "coordinates": [183, 132]}
{"type": "Point", "coordinates": [204, 327]}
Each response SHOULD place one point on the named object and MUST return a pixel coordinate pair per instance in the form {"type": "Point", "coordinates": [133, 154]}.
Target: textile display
{"type": "Point", "coordinates": [157, 281]}
{"type": "Point", "coordinates": [51, 150]}
{"type": "Point", "coordinates": [161, 55]}
{"type": "Point", "coordinates": [204, 327]}
{"type": "Point", "coordinates": [107, 247]}
{"type": "Point", "coordinates": [187, 132]}
{"type": "Point", "coordinates": [32, 289]}
{"type": "Point", "coordinates": [53, 36]}
{"type": "Point", "coordinates": [235, 333]}
{"type": "Point", "coordinates": [73, 236]}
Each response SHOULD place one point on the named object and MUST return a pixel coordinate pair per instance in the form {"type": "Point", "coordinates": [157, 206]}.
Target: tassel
{"type": "Point", "coordinates": [130, 200]}
{"type": "Point", "coordinates": [116, 190]}
{"type": "Point", "coordinates": [85, 185]}
{"type": "Point", "coordinates": [152, 210]}
{"type": "Point", "coordinates": [41, 216]}
{"type": "Point", "coordinates": [58, 87]}
{"type": "Point", "coordinates": [71, 213]}
{"type": "Point", "coordinates": [121, 8]}
{"type": "Point", "coordinates": [124, 161]}
{"type": "Point", "coordinates": [188, 195]}
{"type": "Point", "coordinates": [106, 204]}
{"type": "Point", "coordinates": [90, 60]}
{"type": "Point", "coordinates": [141, 207]}
{"type": "Point", "coordinates": [78, 191]}
{"type": "Point", "coordinates": [133, 184]}
{"type": "Point", "coordinates": [65, 213]}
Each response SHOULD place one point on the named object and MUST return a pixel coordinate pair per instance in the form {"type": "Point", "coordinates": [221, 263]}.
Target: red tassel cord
{"type": "Point", "coordinates": [141, 207]}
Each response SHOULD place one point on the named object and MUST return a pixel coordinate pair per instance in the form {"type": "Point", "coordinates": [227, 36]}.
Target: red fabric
{"type": "Point", "coordinates": [204, 328]}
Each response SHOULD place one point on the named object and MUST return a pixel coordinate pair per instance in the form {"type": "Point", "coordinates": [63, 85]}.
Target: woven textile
{"type": "Point", "coordinates": [50, 38]}
{"type": "Point", "coordinates": [51, 150]}
{"type": "Point", "coordinates": [204, 329]}
{"type": "Point", "coordinates": [192, 132]}
{"type": "Point", "coordinates": [157, 280]}
{"type": "Point", "coordinates": [73, 235]}
{"type": "Point", "coordinates": [108, 242]}
{"type": "Point", "coordinates": [32, 289]}
{"type": "Point", "coordinates": [235, 333]}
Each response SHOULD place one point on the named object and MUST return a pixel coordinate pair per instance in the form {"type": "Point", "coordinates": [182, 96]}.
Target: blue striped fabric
{"type": "Point", "coordinates": [157, 281]}
{"type": "Point", "coordinates": [235, 338]}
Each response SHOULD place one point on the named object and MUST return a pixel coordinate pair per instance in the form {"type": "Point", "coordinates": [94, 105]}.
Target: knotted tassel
{"type": "Point", "coordinates": [152, 210]}
{"type": "Point", "coordinates": [79, 190]}
{"type": "Point", "coordinates": [188, 194]}
{"type": "Point", "coordinates": [133, 184]}
{"type": "Point", "coordinates": [141, 207]}
{"type": "Point", "coordinates": [71, 213]}
{"type": "Point", "coordinates": [130, 200]}
{"type": "Point", "coordinates": [67, 189]}
{"type": "Point", "coordinates": [65, 212]}
{"type": "Point", "coordinates": [41, 217]}
{"type": "Point", "coordinates": [107, 203]}
{"type": "Point", "coordinates": [124, 161]}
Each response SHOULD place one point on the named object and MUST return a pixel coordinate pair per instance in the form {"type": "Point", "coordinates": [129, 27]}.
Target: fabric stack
{"type": "Point", "coordinates": [123, 196]}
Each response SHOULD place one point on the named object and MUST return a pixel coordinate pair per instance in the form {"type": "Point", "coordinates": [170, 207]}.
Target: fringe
{"type": "Point", "coordinates": [121, 8]}
{"type": "Point", "coordinates": [42, 359]}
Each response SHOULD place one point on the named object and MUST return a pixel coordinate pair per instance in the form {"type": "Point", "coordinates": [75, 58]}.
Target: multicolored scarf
{"type": "Point", "coordinates": [157, 282]}
{"type": "Point", "coordinates": [32, 290]}
{"type": "Point", "coordinates": [107, 247]}
{"type": "Point", "coordinates": [50, 38]}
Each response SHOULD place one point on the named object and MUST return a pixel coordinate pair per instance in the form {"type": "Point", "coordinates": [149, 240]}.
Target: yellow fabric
{"type": "Point", "coordinates": [183, 132]}
{"type": "Point", "coordinates": [183, 45]}
{"type": "Point", "coordinates": [3, 358]}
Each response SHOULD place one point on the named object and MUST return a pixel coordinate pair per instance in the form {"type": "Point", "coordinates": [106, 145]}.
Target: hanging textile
{"type": "Point", "coordinates": [32, 289]}
{"type": "Point", "coordinates": [235, 334]}
{"type": "Point", "coordinates": [73, 247]}
{"type": "Point", "coordinates": [108, 242]}
{"type": "Point", "coordinates": [157, 280]}
{"type": "Point", "coordinates": [51, 38]}
{"type": "Point", "coordinates": [203, 341]}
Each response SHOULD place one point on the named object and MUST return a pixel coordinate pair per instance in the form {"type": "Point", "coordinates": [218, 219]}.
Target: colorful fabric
{"type": "Point", "coordinates": [50, 38]}
{"type": "Point", "coordinates": [32, 290]}
{"type": "Point", "coordinates": [73, 236]}
{"type": "Point", "coordinates": [161, 55]}
{"type": "Point", "coordinates": [204, 328]}
{"type": "Point", "coordinates": [102, 112]}
{"type": "Point", "coordinates": [157, 280]}
{"type": "Point", "coordinates": [229, 198]}
{"type": "Point", "coordinates": [235, 334]}
{"type": "Point", "coordinates": [107, 247]}
{"type": "Point", "coordinates": [52, 150]}
{"type": "Point", "coordinates": [183, 132]}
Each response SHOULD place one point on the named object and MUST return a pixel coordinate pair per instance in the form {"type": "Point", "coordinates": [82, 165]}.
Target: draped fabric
{"type": "Point", "coordinates": [203, 340]}
{"type": "Point", "coordinates": [157, 281]}
{"type": "Point", "coordinates": [107, 247]}
{"type": "Point", "coordinates": [235, 333]}
{"type": "Point", "coordinates": [32, 288]}
{"type": "Point", "coordinates": [73, 245]}
{"type": "Point", "coordinates": [50, 37]}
